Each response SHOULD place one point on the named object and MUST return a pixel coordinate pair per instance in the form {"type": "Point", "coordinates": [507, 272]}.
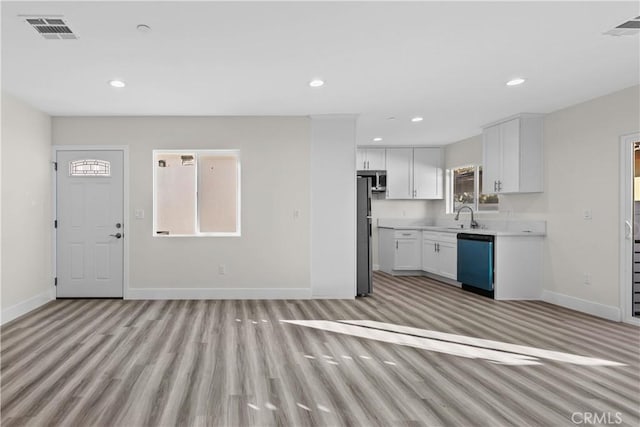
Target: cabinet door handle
{"type": "Point", "coordinates": [435, 247]}
{"type": "Point", "coordinates": [396, 244]}
{"type": "Point", "coordinates": [495, 186]}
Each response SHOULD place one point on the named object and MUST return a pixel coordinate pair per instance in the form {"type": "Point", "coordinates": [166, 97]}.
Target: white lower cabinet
{"type": "Point", "coordinates": [399, 251]}
{"type": "Point", "coordinates": [448, 260]}
{"type": "Point", "coordinates": [517, 262]}
{"type": "Point", "coordinates": [440, 254]}
{"type": "Point", "coordinates": [429, 255]}
{"type": "Point", "coordinates": [407, 251]}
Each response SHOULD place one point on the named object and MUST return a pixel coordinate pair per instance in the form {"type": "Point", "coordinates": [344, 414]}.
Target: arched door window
{"type": "Point", "coordinates": [89, 167]}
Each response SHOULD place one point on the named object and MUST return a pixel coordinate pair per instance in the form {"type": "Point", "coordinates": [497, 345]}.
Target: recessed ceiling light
{"type": "Point", "coordinates": [377, 139]}
{"type": "Point", "coordinates": [117, 83]}
{"type": "Point", "coordinates": [417, 119]}
{"type": "Point", "coordinates": [143, 28]}
{"type": "Point", "coordinates": [515, 82]}
{"type": "Point", "coordinates": [316, 83]}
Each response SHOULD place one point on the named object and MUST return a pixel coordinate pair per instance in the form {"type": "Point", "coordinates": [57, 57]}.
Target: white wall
{"type": "Point", "coordinates": [272, 257]}
{"type": "Point", "coordinates": [581, 171]}
{"type": "Point", "coordinates": [333, 207]}
{"type": "Point", "coordinates": [27, 279]}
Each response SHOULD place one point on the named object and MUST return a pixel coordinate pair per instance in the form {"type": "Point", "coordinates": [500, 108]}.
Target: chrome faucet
{"type": "Point", "coordinates": [473, 224]}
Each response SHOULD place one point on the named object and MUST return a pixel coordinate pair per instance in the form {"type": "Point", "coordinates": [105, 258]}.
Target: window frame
{"type": "Point", "coordinates": [476, 191]}
{"type": "Point", "coordinates": [197, 153]}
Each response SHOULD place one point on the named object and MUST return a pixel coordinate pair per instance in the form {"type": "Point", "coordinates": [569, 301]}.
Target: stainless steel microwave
{"type": "Point", "coordinates": [378, 179]}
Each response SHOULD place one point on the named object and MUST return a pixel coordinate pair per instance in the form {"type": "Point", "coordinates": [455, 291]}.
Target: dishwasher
{"type": "Point", "coordinates": [475, 262]}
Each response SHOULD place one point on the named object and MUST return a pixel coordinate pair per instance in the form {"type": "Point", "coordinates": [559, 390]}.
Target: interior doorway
{"type": "Point", "coordinates": [635, 308]}
{"type": "Point", "coordinates": [630, 228]}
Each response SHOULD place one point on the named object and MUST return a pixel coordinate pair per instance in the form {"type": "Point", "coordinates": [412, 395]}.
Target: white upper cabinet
{"type": "Point", "coordinates": [371, 159]}
{"type": "Point", "coordinates": [492, 159]}
{"type": "Point", "coordinates": [377, 159]}
{"type": "Point", "coordinates": [399, 173]}
{"type": "Point", "coordinates": [512, 155]}
{"type": "Point", "coordinates": [427, 173]}
{"type": "Point", "coordinates": [361, 159]}
{"type": "Point", "coordinates": [414, 173]}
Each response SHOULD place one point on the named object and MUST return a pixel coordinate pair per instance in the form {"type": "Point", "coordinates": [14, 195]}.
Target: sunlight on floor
{"type": "Point", "coordinates": [457, 345]}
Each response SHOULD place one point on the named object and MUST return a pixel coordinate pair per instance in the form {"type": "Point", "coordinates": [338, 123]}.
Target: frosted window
{"type": "Point", "coordinates": [218, 194]}
{"type": "Point", "coordinates": [196, 193]}
{"type": "Point", "coordinates": [89, 167]}
{"type": "Point", "coordinates": [175, 195]}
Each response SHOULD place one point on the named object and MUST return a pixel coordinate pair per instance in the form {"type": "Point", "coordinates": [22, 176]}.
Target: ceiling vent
{"type": "Point", "coordinates": [629, 28]}
{"type": "Point", "coordinates": [51, 28]}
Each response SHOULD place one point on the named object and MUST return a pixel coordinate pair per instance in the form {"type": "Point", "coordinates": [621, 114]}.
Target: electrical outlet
{"type": "Point", "coordinates": [296, 213]}
{"type": "Point", "coordinates": [587, 279]}
{"type": "Point", "coordinates": [222, 269]}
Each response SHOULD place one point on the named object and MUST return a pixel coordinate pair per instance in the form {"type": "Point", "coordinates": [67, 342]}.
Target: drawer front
{"type": "Point", "coordinates": [440, 237]}
{"type": "Point", "coordinates": [448, 237]}
{"type": "Point", "coordinates": [430, 235]}
{"type": "Point", "coordinates": [406, 234]}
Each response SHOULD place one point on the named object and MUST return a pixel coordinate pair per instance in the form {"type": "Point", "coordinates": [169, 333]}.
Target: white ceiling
{"type": "Point", "coordinates": [445, 61]}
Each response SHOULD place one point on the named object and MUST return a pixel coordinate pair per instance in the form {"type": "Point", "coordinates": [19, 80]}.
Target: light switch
{"type": "Point", "coordinates": [586, 214]}
{"type": "Point", "coordinates": [139, 213]}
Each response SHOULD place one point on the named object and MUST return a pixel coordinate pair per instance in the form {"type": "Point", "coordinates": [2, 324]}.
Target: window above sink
{"type": "Point", "coordinates": [463, 188]}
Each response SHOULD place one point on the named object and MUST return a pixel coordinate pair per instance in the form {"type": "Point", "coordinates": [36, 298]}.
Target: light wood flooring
{"type": "Point", "coordinates": [233, 363]}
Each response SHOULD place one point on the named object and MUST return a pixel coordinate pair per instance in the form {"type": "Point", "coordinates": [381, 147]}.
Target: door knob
{"type": "Point", "coordinates": [118, 225]}
{"type": "Point", "coordinates": [117, 235]}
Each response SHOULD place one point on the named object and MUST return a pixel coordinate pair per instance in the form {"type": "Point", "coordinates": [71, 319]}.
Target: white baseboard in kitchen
{"type": "Point", "coordinates": [24, 307]}
{"type": "Point", "coordinates": [218, 293]}
{"type": "Point", "coordinates": [595, 309]}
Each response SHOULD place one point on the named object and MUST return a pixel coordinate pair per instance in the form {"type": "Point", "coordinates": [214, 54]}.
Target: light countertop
{"type": "Point", "coordinates": [443, 229]}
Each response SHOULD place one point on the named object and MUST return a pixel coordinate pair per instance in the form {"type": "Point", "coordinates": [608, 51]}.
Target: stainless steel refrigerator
{"type": "Point", "coordinates": [365, 256]}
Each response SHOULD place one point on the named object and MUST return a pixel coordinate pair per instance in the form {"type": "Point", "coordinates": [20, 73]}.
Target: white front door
{"type": "Point", "coordinates": [90, 228]}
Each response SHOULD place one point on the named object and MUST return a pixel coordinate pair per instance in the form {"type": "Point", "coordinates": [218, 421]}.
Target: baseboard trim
{"type": "Point", "coordinates": [595, 309]}
{"type": "Point", "coordinates": [24, 307]}
{"type": "Point", "coordinates": [218, 293]}
{"type": "Point", "coordinates": [335, 296]}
